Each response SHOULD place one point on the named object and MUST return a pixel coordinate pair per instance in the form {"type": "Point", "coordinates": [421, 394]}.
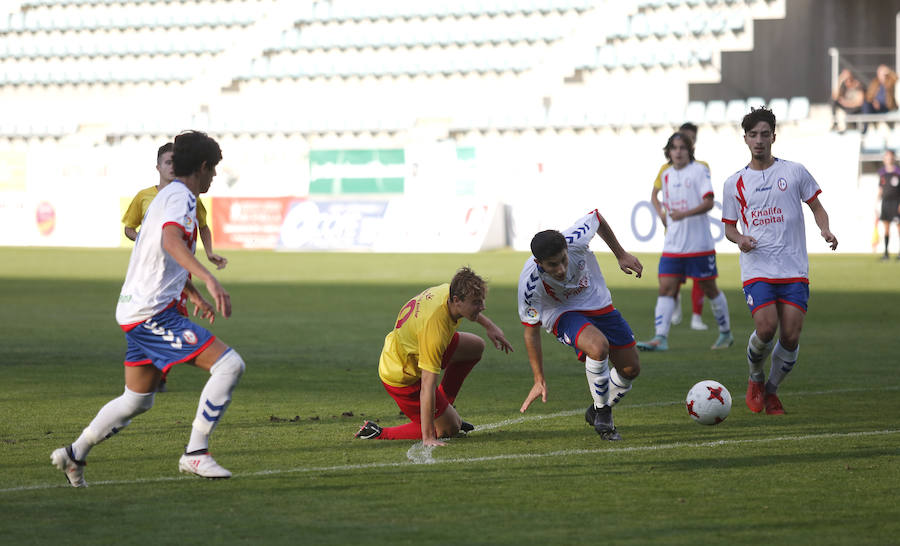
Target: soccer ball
{"type": "Point", "coordinates": [708, 402]}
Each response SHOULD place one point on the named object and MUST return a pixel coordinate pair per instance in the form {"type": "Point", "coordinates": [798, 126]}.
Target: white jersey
{"type": "Point", "coordinates": [768, 206]}
{"type": "Point", "coordinates": [684, 189]}
{"type": "Point", "coordinates": [155, 280]}
{"type": "Point", "coordinates": [542, 299]}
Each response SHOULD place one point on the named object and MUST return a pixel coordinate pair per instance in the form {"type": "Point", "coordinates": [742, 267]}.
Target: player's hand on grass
{"type": "Point", "coordinates": [746, 243]}
{"type": "Point", "coordinates": [539, 390]}
{"type": "Point", "coordinates": [219, 261]}
{"type": "Point", "coordinates": [432, 442]}
{"type": "Point", "coordinates": [830, 239]}
{"type": "Point", "coordinates": [220, 296]}
{"type": "Point", "coordinates": [629, 264]}
{"type": "Point", "coordinates": [495, 334]}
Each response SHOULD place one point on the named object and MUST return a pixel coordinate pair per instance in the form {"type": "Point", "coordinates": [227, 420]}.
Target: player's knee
{"type": "Point", "coordinates": [137, 402]}
{"type": "Point", "coordinates": [230, 363]}
{"type": "Point", "coordinates": [598, 349]}
{"type": "Point", "coordinates": [631, 371]}
{"type": "Point", "coordinates": [471, 347]}
{"type": "Point", "coordinates": [766, 331]}
{"type": "Point", "coordinates": [789, 341]}
{"type": "Point", "coordinates": [478, 345]}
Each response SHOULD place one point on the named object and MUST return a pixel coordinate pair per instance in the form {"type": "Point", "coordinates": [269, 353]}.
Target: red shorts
{"type": "Point", "coordinates": [408, 400]}
{"type": "Point", "coordinates": [407, 397]}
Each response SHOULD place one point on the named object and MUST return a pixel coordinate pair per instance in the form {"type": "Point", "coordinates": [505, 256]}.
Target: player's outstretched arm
{"type": "Point", "coordinates": [131, 233]}
{"type": "Point", "coordinates": [821, 217]}
{"type": "Point", "coordinates": [174, 245]}
{"type": "Point", "coordinates": [206, 237]}
{"type": "Point", "coordinates": [628, 263]}
{"type": "Point", "coordinates": [494, 333]}
{"type": "Point", "coordinates": [536, 359]}
{"type": "Point", "coordinates": [745, 243]}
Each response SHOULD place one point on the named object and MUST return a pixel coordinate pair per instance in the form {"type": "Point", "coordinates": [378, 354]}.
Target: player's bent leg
{"type": "Point", "coordinates": [592, 343]}
{"type": "Point", "coordinates": [469, 347]}
{"type": "Point", "coordinates": [784, 355]}
{"type": "Point", "coordinates": [626, 368]}
{"type": "Point", "coordinates": [719, 306]}
{"type": "Point", "coordinates": [225, 373]}
{"type": "Point", "coordinates": [467, 353]}
{"type": "Point", "coordinates": [597, 372]}
{"type": "Point", "coordinates": [112, 417]}
{"type": "Point", "coordinates": [760, 344]}
{"type": "Point", "coordinates": [214, 400]}
{"type": "Point", "coordinates": [224, 376]}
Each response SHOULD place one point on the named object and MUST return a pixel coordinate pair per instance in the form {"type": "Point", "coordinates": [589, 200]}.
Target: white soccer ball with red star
{"type": "Point", "coordinates": [708, 402]}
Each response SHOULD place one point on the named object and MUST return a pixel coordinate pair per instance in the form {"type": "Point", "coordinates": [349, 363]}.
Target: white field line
{"type": "Point", "coordinates": [569, 413]}
{"type": "Point", "coordinates": [419, 454]}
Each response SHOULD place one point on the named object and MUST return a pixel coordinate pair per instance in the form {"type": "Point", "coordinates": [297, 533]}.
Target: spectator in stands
{"type": "Point", "coordinates": [880, 94]}
{"type": "Point", "coordinates": [849, 96]}
{"type": "Point", "coordinates": [889, 193]}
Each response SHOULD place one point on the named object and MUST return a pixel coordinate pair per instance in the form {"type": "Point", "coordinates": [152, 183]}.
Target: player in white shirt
{"type": "Point", "coordinates": [765, 198]}
{"type": "Point", "coordinates": [562, 289]}
{"type": "Point", "coordinates": [158, 336]}
{"type": "Point", "coordinates": [689, 249]}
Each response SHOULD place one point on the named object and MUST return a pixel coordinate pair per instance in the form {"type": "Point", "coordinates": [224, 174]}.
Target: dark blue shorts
{"type": "Point", "coordinates": [694, 267]}
{"type": "Point", "coordinates": [761, 293]}
{"type": "Point", "coordinates": [164, 340]}
{"type": "Point", "coordinates": [609, 322]}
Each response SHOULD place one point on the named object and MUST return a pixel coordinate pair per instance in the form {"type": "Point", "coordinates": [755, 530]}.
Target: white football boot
{"type": "Point", "coordinates": [64, 460]}
{"type": "Point", "coordinates": [202, 465]}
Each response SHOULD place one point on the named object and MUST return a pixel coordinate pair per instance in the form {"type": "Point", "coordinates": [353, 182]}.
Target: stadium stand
{"type": "Point", "coordinates": [114, 69]}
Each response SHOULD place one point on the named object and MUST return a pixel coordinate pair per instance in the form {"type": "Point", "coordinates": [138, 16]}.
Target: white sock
{"type": "Point", "coordinates": [598, 380]}
{"type": "Point", "coordinates": [112, 417]}
{"type": "Point", "coordinates": [618, 386]}
{"type": "Point", "coordinates": [665, 306]}
{"type": "Point", "coordinates": [782, 363]}
{"type": "Point", "coordinates": [215, 397]}
{"type": "Point", "coordinates": [720, 311]}
{"type": "Point", "coordinates": [757, 351]}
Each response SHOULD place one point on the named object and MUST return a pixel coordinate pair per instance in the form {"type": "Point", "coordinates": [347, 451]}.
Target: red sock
{"type": "Point", "coordinates": [409, 431]}
{"type": "Point", "coordinates": [454, 375]}
{"type": "Point", "coordinates": [697, 299]}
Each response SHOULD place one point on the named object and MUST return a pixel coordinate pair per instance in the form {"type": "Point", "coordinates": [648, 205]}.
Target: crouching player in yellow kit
{"type": "Point", "coordinates": [424, 341]}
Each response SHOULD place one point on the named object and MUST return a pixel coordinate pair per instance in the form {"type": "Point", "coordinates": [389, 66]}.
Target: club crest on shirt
{"type": "Point", "coordinates": [531, 312]}
{"type": "Point", "coordinates": [581, 265]}
{"type": "Point", "coordinates": [782, 184]}
{"type": "Point", "coordinates": [189, 337]}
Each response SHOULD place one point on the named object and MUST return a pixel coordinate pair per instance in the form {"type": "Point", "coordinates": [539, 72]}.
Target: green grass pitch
{"type": "Point", "coordinates": [310, 327]}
